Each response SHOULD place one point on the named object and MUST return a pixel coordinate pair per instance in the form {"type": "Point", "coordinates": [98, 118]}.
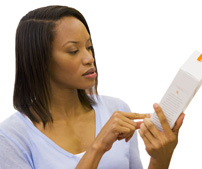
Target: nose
{"type": "Point", "coordinates": [88, 58]}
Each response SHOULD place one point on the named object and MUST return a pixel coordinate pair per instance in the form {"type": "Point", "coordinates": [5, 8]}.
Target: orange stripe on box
{"type": "Point", "coordinates": [200, 58]}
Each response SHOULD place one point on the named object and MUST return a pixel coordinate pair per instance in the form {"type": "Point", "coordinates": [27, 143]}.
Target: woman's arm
{"type": "Point", "coordinates": [91, 158]}
{"type": "Point", "coordinates": [160, 145]}
{"type": "Point", "coordinates": [119, 126]}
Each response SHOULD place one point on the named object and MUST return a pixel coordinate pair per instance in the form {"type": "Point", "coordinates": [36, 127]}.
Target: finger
{"type": "Point", "coordinates": [125, 136]}
{"type": "Point", "coordinates": [146, 133]}
{"type": "Point", "coordinates": [146, 141]}
{"type": "Point", "coordinates": [151, 127]}
{"type": "Point", "coordinates": [162, 119]}
{"type": "Point", "coordinates": [127, 125]}
{"type": "Point", "coordinates": [128, 138]}
{"type": "Point", "coordinates": [138, 123]}
{"type": "Point", "coordinates": [178, 123]}
{"type": "Point", "coordinates": [134, 116]}
{"type": "Point", "coordinates": [149, 139]}
{"type": "Point", "coordinates": [127, 120]}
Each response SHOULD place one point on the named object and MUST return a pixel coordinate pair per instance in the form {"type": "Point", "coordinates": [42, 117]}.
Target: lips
{"type": "Point", "coordinates": [91, 73]}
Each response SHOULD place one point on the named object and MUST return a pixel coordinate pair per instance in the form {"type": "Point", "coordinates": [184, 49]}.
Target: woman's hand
{"type": "Point", "coordinates": [119, 126]}
{"type": "Point", "coordinates": [160, 145]}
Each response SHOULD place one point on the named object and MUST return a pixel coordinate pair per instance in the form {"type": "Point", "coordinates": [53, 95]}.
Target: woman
{"type": "Point", "coordinates": [57, 124]}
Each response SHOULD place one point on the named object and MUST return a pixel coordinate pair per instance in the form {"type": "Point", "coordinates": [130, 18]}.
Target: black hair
{"type": "Point", "coordinates": [34, 37]}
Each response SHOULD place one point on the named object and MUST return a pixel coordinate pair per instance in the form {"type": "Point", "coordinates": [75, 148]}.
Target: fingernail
{"type": "Point", "coordinates": [156, 105]}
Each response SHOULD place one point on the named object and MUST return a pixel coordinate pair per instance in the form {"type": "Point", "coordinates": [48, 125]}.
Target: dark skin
{"type": "Point", "coordinates": [72, 57]}
{"type": "Point", "coordinates": [160, 145]}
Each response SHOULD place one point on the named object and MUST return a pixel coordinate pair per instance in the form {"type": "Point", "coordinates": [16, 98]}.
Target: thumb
{"type": "Point", "coordinates": [178, 124]}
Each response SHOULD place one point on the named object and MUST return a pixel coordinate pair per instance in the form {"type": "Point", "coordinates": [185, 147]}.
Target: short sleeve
{"type": "Point", "coordinates": [11, 156]}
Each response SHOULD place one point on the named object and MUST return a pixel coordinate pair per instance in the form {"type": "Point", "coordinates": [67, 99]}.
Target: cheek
{"type": "Point", "coordinates": [68, 68]}
{"type": "Point", "coordinates": [64, 69]}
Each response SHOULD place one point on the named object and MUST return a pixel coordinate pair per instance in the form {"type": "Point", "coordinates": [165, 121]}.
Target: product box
{"type": "Point", "coordinates": [181, 91]}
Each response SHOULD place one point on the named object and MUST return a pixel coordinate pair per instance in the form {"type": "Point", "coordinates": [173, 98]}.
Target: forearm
{"type": "Point", "coordinates": [91, 158]}
{"type": "Point", "coordinates": [155, 164]}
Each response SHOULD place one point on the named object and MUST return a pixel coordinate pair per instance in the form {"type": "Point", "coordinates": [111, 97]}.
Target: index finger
{"type": "Point", "coordinates": [134, 116]}
{"type": "Point", "coordinates": [162, 118]}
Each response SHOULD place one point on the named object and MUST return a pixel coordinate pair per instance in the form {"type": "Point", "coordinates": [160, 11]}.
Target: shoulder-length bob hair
{"type": "Point", "coordinates": [34, 37]}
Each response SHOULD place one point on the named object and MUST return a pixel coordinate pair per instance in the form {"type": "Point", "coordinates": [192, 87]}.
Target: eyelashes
{"type": "Point", "coordinates": [90, 48]}
{"type": "Point", "coordinates": [74, 52]}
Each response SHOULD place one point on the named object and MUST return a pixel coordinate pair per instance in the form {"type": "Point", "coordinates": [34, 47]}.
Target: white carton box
{"type": "Point", "coordinates": [181, 91]}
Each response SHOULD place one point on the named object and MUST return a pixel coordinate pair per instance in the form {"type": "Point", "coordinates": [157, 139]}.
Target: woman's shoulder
{"type": "Point", "coordinates": [13, 122]}
{"type": "Point", "coordinates": [15, 128]}
{"type": "Point", "coordinates": [113, 103]}
{"type": "Point", "coordinates": [111, 99]}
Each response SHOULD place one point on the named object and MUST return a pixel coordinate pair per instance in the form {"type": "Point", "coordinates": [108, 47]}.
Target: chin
{"type": "Point", "coordinates": [87, 87]}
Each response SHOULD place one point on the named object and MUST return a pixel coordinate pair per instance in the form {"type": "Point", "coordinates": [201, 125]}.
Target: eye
{"type": "Point", "coordinates": [90, 48]}
{"type": "Point", "coordinates": [73, 52]}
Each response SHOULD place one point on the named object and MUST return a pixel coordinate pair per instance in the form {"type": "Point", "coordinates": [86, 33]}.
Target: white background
{"type": "Point", "coordinates": [139, 46]}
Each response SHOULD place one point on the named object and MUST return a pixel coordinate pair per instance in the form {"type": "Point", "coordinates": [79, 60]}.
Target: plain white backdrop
{"type": "Point", "coordinates": [139, 47]}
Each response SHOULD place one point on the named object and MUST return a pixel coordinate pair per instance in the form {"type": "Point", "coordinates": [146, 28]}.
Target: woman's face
{"type": "Point", "coordinates": [72, 63]}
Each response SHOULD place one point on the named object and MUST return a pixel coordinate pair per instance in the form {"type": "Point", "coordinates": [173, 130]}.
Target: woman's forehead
{"type": "Point", "coordinates": [70, 28]}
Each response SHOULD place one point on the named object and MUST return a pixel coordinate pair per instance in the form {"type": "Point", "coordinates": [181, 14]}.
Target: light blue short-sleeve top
{"type": "Point", "coordinates": [23, 146]}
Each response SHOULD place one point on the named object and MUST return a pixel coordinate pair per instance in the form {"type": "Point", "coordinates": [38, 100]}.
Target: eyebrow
{"type": "Point", "coordinates": [75, 41]}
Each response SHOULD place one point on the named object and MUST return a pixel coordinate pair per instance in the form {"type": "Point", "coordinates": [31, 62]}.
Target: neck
{"type": "Point", "coordinates": [65, 104]}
